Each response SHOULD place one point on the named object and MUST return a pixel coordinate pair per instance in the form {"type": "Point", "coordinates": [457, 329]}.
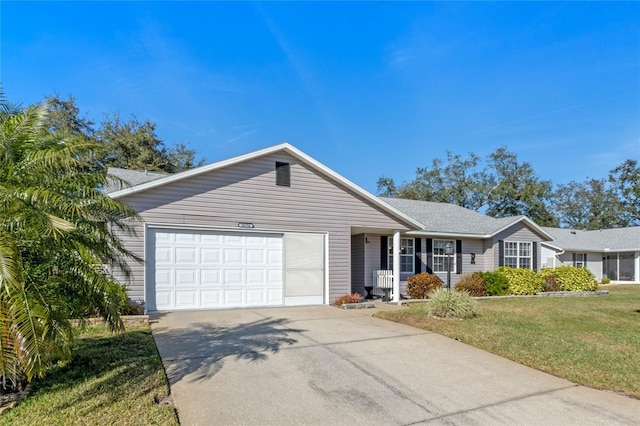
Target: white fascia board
{"type": "Point", "coordinates": [447, 234]}
{"type": "Point", "coordinates": [552, 247]}
{"type": "Point", "coordinates": [286, 147]}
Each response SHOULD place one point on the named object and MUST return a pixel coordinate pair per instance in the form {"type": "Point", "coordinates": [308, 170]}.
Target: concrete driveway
{"type": "Point", "coordinates": [322, 365]}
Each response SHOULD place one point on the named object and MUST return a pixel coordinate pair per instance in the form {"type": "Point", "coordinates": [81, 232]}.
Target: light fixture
{"type": "Point", "coordinates": [245, 225]}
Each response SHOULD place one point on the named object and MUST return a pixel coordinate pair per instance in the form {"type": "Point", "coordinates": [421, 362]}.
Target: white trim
{"type": "Point", "coordinates": [326, 269]}
{"type": "Point", "coordinates": [285, 147]}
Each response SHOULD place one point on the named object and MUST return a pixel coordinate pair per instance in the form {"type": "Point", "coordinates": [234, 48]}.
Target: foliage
{"type": "Point", "coordinates": [348, 298]}
{"type": "Point", "coordinates": [587, 205]}
{"type": "Point", "coordinates": [625, 180]}
{"type": "Point", "coordinates": [129, 144]}
{"type": "Point", "coordinates": [606, 281]}
{"type": "Point", "coordinates": [461, 182]}
{"type": "Point", "coordinates": [522, 281]}
{"type": "Point", "coordinates": [592, 341]}
{"type": "Point", "coordinates": [112, 379]}
{"type": "Point", "coordinates": [472, 284]}
{"type": "Point", "coordinates": [496, 283]}
{"type": "Point", "coordinates": [54, 232]}
{"type": "Point", "coordinates": [451, 304]}
{"type": "Point", "coordinates": [570, 278]}
{"type": "Point", "coordinates": [420, 285]}
{"type": "Point", "coordinates": [550, 282]}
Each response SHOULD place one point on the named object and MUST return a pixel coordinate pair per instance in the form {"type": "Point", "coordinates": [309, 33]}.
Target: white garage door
{"type": "Point", "coordinates": [200, 269]}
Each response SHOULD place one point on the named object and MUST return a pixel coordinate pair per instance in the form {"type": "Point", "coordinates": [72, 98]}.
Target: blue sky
{"type": "Point", "coordinates": [366, 88]}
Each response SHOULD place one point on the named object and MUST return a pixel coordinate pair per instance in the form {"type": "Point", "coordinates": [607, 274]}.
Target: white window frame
{"type": "Point", "coordinates": [441, 256]}
{"type": "Point", "coordinates": [407, 251]}
{"type": "Point", "coordinates": [513, 252]}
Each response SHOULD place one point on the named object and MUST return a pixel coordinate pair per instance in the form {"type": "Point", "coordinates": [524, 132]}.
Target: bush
{"type": "Point", "coordinates": [550, 283]}
{"type": "Point", "coordinates": [420, 285]}
{"type": "Point", "coordinates": [472, 284]}
{"type": "Point", "coordinates": [348, 298]}
{"type": "Point", "coordinates": [496, 284]}
{"type": "Point", "coordinates": [522, 281]}
{"type": "Point", "coordinates": [451, 304]}
{"type": "Point", "coordinates": [606, 281]}
{"type": "Point", "coordinates": [570, 278]}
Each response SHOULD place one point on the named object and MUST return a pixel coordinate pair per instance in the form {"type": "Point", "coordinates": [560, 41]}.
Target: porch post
{"type": "Point", "coordinates": [396, 266]}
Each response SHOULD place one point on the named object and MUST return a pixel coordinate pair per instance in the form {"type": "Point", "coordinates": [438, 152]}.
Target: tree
{"type": "Point", "coordinates": [587, 205]}
{"type": "Point", "coordinates": [504, 187]}
{"type": "Point", "coordinates": [626, 184]}
{"type": "Point", "coordinates": [516, 189]}
{"type": "Point", "coordinates": [130, 144]}
{"type": "Point", "coordinates": [54, 236]}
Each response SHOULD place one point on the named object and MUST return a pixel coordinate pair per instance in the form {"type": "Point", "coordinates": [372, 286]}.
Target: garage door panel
{"type": "Point", "coordinates": [163, 299]}
{"type": "Point", "coordinates": [210, 256]}
{"type": "Point", "coordinates": [186, 299]}
{"type": "Point", "coordinates": [255, 297]}
{"type": "Point", "coordinates": [256, 257]}
{"type": "Point", "coordinates": [164, 277]}
{"type": "Point", "coordinates": [233, 297]}
{"type": "Point", "coordinates": [209, 277]}
{"type": "Point", "coordinates": [186, 255]}
{"type": "Point", "coordinates": [185, 237]}
{"type": "Point", "coordinates": [212, 239]}
{"type": "Point", "coordinates": [233, 256]}
{"type": "Point", "coordinates": [164, 256]}
{"type": "Point", "coordinates": [210, 298]}
{"type": "Point", "coordinates": [186, 277]}
{"type": "Point", "coordinates": [256, 277]}
{"type": "Point", "coordinates": [233, 277]}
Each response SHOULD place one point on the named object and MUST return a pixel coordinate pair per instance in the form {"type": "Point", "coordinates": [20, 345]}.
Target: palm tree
{"type": "Point", "coordinates": [55, 241]}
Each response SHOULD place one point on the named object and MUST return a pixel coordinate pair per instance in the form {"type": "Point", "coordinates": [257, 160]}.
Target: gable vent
{"type": "Point", "coordinates": [283, 174]}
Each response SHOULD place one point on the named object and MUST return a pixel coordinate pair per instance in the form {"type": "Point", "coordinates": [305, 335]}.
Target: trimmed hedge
{"type": "Point", "coordinates": [451, 304]}
{"type": "Point", "coordinates": [497, 284]}
{"type": "Point", "coordinates": [472, 284]}
{"type": "Point", "coordinates": [570, 278]}
{"type": "Point", "coordinates": [420, 285]}
{"type": "Point", "coordinates": [522, 281]}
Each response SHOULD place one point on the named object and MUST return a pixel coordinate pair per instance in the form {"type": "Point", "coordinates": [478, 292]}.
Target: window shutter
{"type": "Point", "coordinates": [283, 174]}
{"type": "Point", "coordinates": [500, 253]}
{"type": "Point", "coordinates": [584, 260]}
{"type": "Point", "coordinates": [458, 256]}
{"type": "Point", "coordinates": [384, 252]}
{"type": "Point", "coordinates": [574, 259]}
{"type": "Point", "coordinates": [430, 255]}
{"type": "Point", "coordinates": [535, 256]}
{"type": "Point", "coordinates": [417, 249]}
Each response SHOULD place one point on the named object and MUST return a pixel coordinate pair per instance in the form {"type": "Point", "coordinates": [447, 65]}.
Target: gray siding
{"type": "Point", "coordinates": [517, 232]}
{"type": "Point", "coordinates": [246, 192]}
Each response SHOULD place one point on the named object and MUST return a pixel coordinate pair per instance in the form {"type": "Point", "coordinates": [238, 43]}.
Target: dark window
{"type": "Point", "coordinates": [283, 174]}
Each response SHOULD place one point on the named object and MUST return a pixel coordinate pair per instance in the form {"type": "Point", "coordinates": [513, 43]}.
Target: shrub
{"type": "Point", "coordinates": [472, 284]}
{"type": "Point", "coordinates": [522, 281]}
{"type": "Point", "coordinates": [451, 304]}
{"type": "Point", "coordinates": [570, 278]}
{"type": "Point", "coordinates": [496, 284]}
{"type": "Point", "coordinates": [348, 298]}
{"type": "Point", "coordinates": [420, 285]}
{"type": "Point", "coordinates": [606, 281]}
{"type": "Point", "coordinates": [550, 282]}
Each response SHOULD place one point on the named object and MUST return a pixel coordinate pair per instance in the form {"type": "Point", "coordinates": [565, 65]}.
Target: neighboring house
{"type": "Point", "coordinates": [277, 228]}
{"type": "Point", "coordinates": [607, 253]}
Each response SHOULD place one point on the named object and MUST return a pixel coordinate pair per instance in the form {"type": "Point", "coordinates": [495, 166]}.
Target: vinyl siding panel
{"type": "Point", "coordinates": [247, 192]}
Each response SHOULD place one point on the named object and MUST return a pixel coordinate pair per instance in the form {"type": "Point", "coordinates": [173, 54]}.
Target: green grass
{"type": "Point", "coordinates": [594, 341]}
{"type": "Point", "coordinates": [112, 380]}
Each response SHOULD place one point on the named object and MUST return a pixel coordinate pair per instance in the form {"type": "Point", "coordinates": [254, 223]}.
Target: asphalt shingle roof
{"type": "Point", "coordinates": [126, 178]}
{"type": "Point", "coordinates": [599, 240]}
{"type": "Point", "coordinates": [450, 218]}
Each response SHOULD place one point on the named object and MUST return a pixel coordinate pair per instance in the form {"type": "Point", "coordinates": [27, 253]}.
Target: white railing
{"type": "Point", "coordinates": [383, 283]}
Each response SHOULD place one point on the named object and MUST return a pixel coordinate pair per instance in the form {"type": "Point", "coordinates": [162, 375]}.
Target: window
{"type": "Point", "coordinates": [407, 252]}
{"type": "Point", "coordinates": [440, 257]}
{"type": "Point", "coordinates": [579, 260]}
{"type": "Point", "coordinates": [517, 254]}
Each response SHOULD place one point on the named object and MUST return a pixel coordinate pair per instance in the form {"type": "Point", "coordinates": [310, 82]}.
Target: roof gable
{"type": "Point", "coordinates": [286, 148]}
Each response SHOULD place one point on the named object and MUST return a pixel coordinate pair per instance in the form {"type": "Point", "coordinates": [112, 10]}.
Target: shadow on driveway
{"type": "Point", "coordinates": [199, 350]}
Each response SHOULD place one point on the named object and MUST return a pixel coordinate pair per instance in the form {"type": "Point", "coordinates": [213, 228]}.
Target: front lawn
{"type": "Point", "coordinates": [594, 341]}
{"type": "Point", "coordinates": [112, 380]}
